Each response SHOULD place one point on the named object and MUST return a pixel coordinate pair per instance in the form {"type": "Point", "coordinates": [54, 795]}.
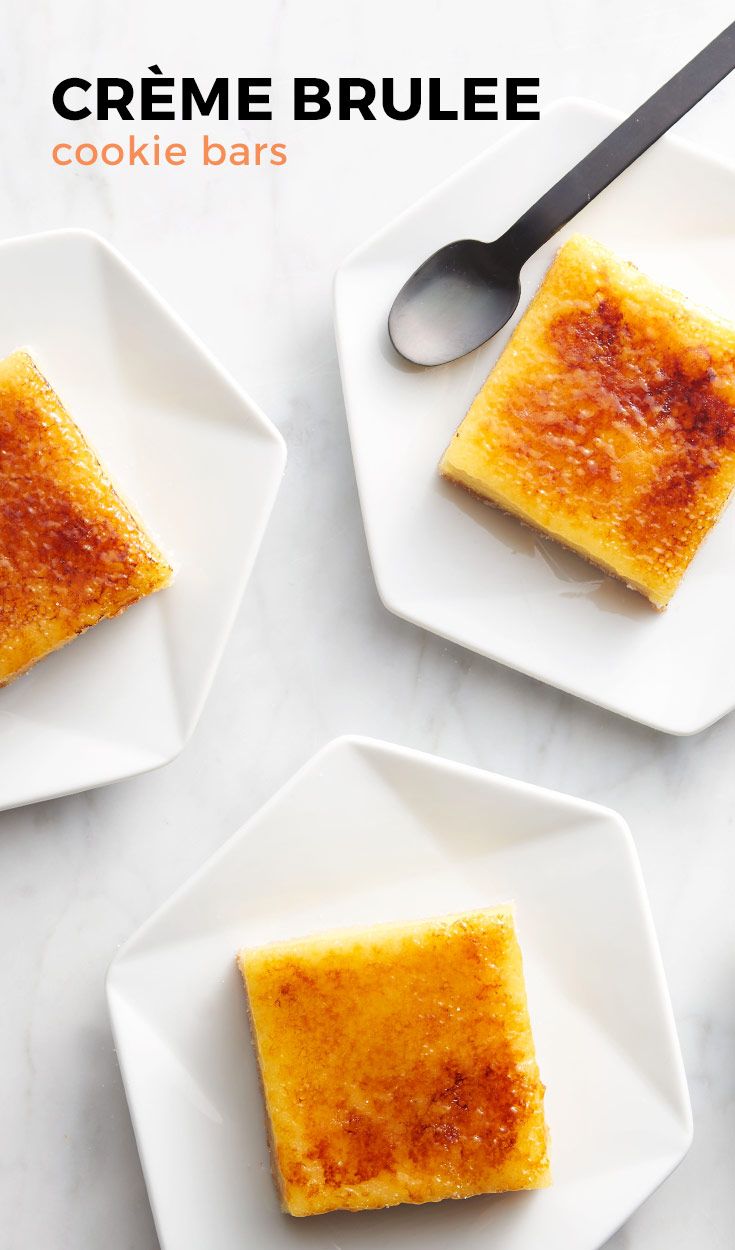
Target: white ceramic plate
{"type": "Point", "coordinates": [369, 832]}
{"type": "Point", "coordinates": [199, 462]}
{"type": "Point", "coordinates": [468, 572]}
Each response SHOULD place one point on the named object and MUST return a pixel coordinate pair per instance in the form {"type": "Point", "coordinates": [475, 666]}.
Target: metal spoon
{"type": "Point", "coordinates": [463, 294]}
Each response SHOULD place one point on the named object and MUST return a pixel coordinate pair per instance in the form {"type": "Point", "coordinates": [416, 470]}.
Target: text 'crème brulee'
{"type": "Point", "coordinates": [71, 552]}
{"type": "Point", "coordinates": [609, 420]}
{"type": "Point", "coordinates": [398, 1064]}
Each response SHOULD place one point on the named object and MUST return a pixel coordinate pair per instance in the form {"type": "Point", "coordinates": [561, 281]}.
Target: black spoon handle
{"type": "Point", "coordinates": [626, 143]}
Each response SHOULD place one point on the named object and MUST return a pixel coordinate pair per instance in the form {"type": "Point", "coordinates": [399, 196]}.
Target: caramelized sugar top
{"type": "Point", "coordinates": [626, 423]}
{"type": "Point", "coordinates": [47, 534]}
{"type": "Point", "coordinates": [406, 1060]}
{"type": "Point", "coordinates": [70, 552]}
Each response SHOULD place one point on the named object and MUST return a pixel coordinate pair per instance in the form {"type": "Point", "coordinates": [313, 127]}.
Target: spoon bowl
{"type": "Point", "coordinates": [455, 301]}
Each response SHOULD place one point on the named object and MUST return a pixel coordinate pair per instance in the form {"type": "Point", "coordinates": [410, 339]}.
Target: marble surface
{"type": "Point", "coordinates": [247, 257]}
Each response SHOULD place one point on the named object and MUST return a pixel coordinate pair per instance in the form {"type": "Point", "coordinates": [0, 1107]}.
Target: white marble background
{"type": "Point", "coordinates": [247, 256]}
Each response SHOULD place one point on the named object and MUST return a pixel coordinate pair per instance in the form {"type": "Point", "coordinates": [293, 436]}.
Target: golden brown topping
{"type": "Point", "coordinates": [409, 1060]}
{"type": "Point", "coordinates": [659, 393]}
{"type": "Point", "coordinates": [609, 420]}
{"type": "Point", "coordinates": [70, 551]}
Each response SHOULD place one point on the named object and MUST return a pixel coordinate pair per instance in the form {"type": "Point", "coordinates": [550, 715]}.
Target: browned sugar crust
{"type": "Point", "coordinates": [71, 552]}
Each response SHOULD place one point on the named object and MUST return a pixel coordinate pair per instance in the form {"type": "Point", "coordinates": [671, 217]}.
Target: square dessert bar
{"type": "Point", "coordinates": [398, 1064]}
{"type": "Point", "coordinates": [71, 552]}
{"type": "Point", "coordinates": [609, 420]}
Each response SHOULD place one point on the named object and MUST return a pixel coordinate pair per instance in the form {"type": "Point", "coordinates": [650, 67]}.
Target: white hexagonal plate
{"type": "Point", "coordinates": [468, 572]}
{"type": "Point", "coordinates": [369, 832]}
{"type": "Point", "coordinates": [199, 462]}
